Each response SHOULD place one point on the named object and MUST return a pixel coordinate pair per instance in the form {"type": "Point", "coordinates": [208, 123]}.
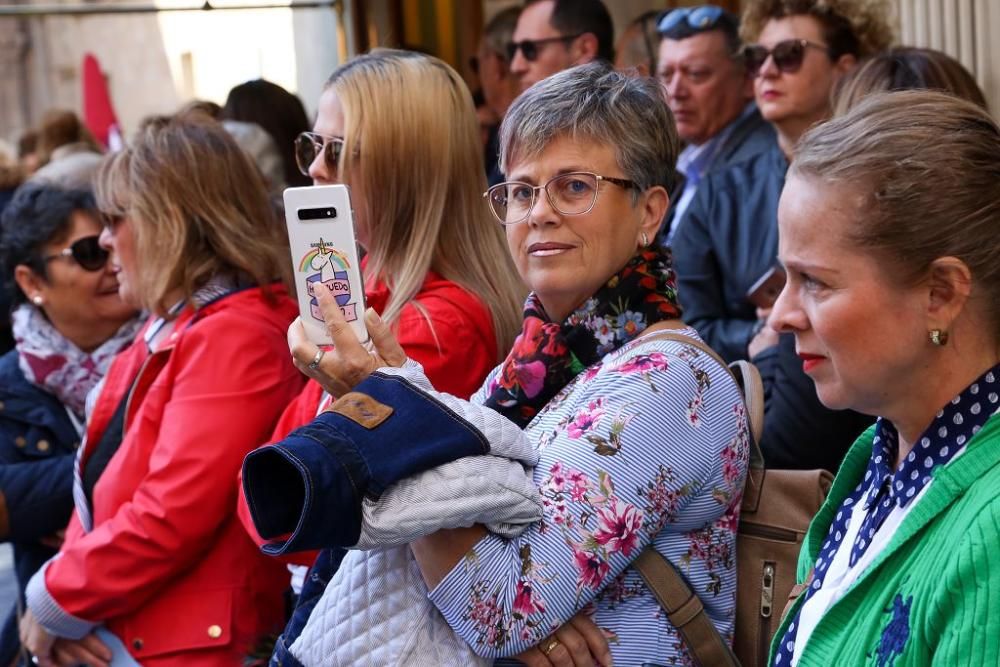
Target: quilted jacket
{"type": "Point", "coordinates": [339, 462]}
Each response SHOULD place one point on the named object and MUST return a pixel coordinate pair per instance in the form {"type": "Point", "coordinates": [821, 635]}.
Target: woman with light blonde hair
{"type": "Point", "coordinates": [399, 128]}
{"type": "Point", "coordinates": [170, 575]}
{"type": "Point", "coordinates": [391, 125]}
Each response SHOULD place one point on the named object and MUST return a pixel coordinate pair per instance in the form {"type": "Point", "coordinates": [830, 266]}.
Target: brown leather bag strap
{"type": "Point", "coordinates": [684, 609]}
{"type": "Point", "coordinates": [747, 377]}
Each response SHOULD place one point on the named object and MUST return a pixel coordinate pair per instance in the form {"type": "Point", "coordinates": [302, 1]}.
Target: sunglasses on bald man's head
{"type": "Point", "coordinates": [698, 18]}
{"type": "Point", "coordinates": [787, 55]}
{"type": "Point", "coordinates": [87, 252]}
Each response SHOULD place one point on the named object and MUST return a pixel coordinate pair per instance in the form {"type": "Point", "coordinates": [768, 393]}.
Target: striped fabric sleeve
{"type": "Point", "coordinates": [49, 613]}
{"type": "Point", "coordinates": [626, 453]}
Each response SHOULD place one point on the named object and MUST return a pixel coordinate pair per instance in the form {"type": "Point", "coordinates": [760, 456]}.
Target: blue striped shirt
{"type": "Point", "coordinates": [650, 445]}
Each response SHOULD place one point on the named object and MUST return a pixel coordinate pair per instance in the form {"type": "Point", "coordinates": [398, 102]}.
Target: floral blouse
{"type": "Point", "coordinates": [650, 445]}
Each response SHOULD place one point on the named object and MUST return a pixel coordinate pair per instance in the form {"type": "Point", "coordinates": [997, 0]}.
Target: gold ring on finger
{"type": "Point", "coordinates": [549, 645]}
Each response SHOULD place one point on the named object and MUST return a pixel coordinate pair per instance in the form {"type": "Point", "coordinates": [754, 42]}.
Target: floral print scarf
{"type": "Point", "coordinates": [54, 364]}
{"type": "Point", "coordinates": [547, 355]}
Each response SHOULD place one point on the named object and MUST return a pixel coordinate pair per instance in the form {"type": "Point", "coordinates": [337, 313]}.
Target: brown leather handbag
{"type": "Point", "coordinates": [774, 516]}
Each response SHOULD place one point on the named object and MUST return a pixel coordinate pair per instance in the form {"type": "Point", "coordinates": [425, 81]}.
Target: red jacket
{"type": "Point", "coordinates": [167, 566]}
{"type": "Point", "coordinates": [457, 355]}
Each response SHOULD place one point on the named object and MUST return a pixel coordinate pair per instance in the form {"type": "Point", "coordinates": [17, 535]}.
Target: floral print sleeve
{"type": "Point", "coordinates": [648, 446]}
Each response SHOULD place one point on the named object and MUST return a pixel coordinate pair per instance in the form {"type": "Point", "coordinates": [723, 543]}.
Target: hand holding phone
{"type": "Point", "coordinates": [325, 255]}
{"type": "Point", "coordinates": [764, 292]}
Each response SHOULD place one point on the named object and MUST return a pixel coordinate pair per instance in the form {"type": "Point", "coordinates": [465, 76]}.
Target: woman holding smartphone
{"type": "Point", "coordinates": [399, 128]}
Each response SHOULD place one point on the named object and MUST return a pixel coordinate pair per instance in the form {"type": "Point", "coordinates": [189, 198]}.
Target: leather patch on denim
{"type": "Point", "coordinates": [361, 409]}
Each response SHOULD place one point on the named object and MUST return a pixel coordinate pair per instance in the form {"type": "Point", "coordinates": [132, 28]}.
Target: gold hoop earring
{"type": "Point", "coordinates": [939, 337]}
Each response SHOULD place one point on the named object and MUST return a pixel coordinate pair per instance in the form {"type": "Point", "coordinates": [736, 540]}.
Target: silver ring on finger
{"type": "Point", "coordinates": [314, 364]}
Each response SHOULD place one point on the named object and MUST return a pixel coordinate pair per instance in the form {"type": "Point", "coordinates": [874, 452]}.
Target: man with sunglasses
{"type": "Point", "coordinates": [727, 245]}
{"type": "Point", "coordinates": [553, 35]}
{"type": "Point", "coordinates": [498, 84]}
{"type": "Point", "coordinates": [711, 96]}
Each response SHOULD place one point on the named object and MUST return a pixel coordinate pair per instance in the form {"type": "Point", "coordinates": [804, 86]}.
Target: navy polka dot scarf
{"type": "Point", "coordinates": [882, 489]}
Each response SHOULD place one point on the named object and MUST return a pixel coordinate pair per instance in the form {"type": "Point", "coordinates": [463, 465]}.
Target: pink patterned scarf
{"type": "Point", "coordinates": [52, 363]}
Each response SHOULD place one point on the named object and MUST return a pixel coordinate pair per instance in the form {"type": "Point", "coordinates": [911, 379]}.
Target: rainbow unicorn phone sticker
{"type": "Point", "coordinates": [325, 256]}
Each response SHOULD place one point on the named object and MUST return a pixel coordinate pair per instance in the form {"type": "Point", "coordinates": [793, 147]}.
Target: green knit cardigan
{"type": "Point", "coordinates": [933, 594]}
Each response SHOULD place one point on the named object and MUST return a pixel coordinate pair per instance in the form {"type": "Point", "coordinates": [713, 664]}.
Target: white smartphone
{"type": "Point", "coordinates": [325, 255]}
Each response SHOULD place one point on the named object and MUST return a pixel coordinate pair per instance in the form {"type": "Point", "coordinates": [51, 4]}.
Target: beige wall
{"type": "Point", "coordinates": [965, 29]}
{"type": "Point", "coordinates": [156, 62]}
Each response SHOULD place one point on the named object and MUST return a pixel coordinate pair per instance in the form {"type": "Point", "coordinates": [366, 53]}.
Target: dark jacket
{"type": "Point", "coordinates": [751, 135]}
{"type": "Point", "coordinates": [729, 239]}
{"type": "Point", "coordinates": [37, 446]}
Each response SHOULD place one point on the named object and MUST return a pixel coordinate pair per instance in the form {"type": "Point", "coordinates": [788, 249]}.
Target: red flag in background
{"type": "Point", "coordinates": [98, 112]}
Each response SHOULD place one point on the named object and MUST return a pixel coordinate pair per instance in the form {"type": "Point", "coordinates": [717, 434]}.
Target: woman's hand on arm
{"type": "Point", "coordinates": [348, 362]}
{"type": "Point", "coordinates": [579, 643]}
{"type": "Point", "coordinates": [89, 651]}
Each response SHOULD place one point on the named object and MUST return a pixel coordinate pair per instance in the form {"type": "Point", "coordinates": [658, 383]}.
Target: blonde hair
{"type": "Point", "coordinates": [928, 165]}
{"type": "Point", "coordinates": [198, 207]}
{"type": "Point", "coordinates": [905, 68]}
{"type": "Point", "coordinates": [858, 27]}
{"type": "Point", "coordinates": [411, 143]}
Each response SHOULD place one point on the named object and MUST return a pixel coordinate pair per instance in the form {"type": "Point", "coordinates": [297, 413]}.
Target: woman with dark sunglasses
{"type": "Point", "coordinates": [69, 322]}
{"type": "Point", "coordinates": [728, 238]}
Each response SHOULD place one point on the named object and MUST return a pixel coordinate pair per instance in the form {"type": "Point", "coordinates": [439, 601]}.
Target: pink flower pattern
{"type": "Point", "coordinates": [600, 510]}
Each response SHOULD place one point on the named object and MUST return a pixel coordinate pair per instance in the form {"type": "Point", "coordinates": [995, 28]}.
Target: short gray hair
{"type": "Point", "coordinates": [595, 102]}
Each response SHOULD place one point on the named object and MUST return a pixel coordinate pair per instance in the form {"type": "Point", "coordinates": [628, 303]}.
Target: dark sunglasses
{"type": "Point", "coordinates": [699, 18]}
{"type": "Point", "coordinates": [787, 55]}
{"type": "Point", "coordinates": [529, 47]}
{"type": "Point", "coordinates": [87, 252]}
{"type": "Point", "coordinates": [309, 144]}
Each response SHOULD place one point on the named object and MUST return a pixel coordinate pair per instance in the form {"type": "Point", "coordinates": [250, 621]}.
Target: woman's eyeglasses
{"type": "Point", "coordinates": [574, 193]}
{"type": "Point", "coordinates": [529, 47]}
{"type": "Point", "coordinates": [309, 144]}
{"type": "Point", "coordinates": [87, 252]}
{"type": "Point", "coordinates": [787, 55]}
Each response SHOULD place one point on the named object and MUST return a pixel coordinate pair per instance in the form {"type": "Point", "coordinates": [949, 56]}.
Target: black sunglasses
{"type": "Point", "coordinates": [309, 144]}
{"type": "Point", "coordinates": [787, 55]}
{"type": "Point", "coordinates": [87, 252]}
{"type": "Point", "coordinates": [529, 47]}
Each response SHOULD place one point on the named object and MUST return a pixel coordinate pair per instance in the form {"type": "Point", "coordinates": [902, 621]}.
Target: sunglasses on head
{"type": "Point", "coordinates": [699, 18]}
{"type": "Point", "coordinates": [529, 47]}
{"type": "Point", "coordinates": [309, 144]}
{"type": "Point", "coordinates": [787, 55]}
{"type": "Point", "coordinates": [87, 252]}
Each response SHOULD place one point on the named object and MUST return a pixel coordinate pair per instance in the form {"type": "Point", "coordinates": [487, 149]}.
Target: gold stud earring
{"type": "Point", "coordinates": [939, 337]}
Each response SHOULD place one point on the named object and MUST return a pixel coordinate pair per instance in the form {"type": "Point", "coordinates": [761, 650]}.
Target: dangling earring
{"type": "Point", "coordinates": [645, 240]}
{"type": "Point", "coordinates": [37, 300]}
{"type": "Point", "coordinates": [939, 337]}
